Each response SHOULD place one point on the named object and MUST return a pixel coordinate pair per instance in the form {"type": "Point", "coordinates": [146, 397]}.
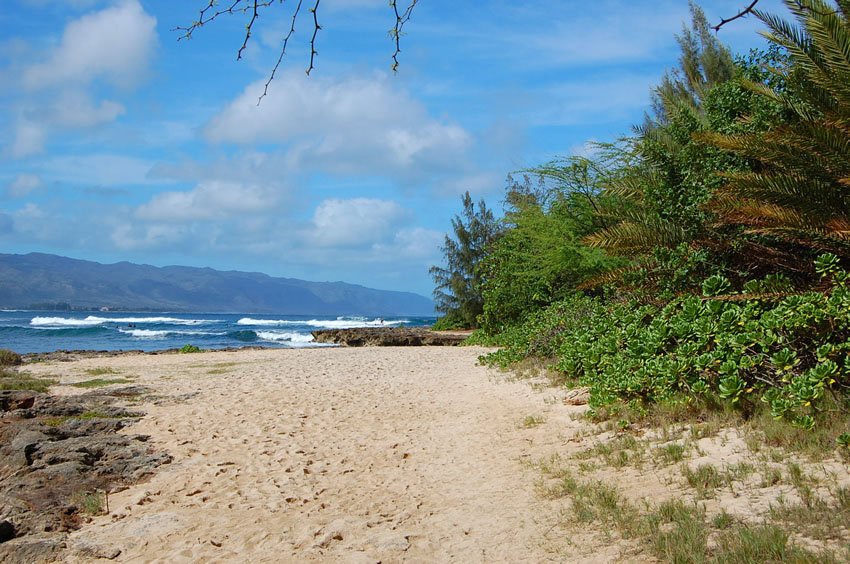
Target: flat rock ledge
{"type": "Point", "coordinates": [389, 337]}
{"type": "Point", "coordinates": [55, 454]}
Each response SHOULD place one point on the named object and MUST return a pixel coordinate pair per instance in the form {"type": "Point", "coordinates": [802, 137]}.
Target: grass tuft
{"type": "Point", "coordinates": [13, 380]}
{"type": "Point", "coordinates": [100, 382]}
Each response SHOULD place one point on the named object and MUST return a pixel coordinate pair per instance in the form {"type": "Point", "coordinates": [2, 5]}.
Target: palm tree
{"type": "Point", "coordinates": [798, 191]}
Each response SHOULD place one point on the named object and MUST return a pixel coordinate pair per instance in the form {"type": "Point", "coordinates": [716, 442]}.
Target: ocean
{"type": "Point", "coordinates": [45, 331]}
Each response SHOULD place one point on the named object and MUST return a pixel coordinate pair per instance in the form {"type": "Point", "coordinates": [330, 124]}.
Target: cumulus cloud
{"type": "Point", "coordinates": [356, 222]}
{"type": "Point", "coordinates": [76, 109]}
{"type": "Point", "coordinates": [64, 88]}
{"type": "Point", "coordinates": [113, 44]}
{"type": "Point", "coordinates": [208, 201]}
{"type": "Point", "coordinates": [343, 125]}
{"type": "Point", "coordinates": [22, 185]}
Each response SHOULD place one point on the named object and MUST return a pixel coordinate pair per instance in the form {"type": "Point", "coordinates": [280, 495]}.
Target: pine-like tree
{"type": "Point", "coordinates": [458, 284]}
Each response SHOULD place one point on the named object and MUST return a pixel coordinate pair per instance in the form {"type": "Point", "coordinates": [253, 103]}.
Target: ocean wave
{"type": "Point", "coordinates": [244, 336]}
{"type": "Point", "coordinates": [64, 322]}
{"type": "Point", "coordinates": [168, 320]}
{"type": "Point", "coordinates": [278, 336]}
{"type": "Point", "coordinates": [152, 334]}
{"type": "Point", "coordinates": [338, 323]}
{"type": "Point", "coordinates": [59, 331]}
{"type": "Point", "coordinates": [96, 320]}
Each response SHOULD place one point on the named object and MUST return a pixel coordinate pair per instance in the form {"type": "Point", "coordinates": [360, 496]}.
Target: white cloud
{"type": "Point", "coordinates": [76, 109]}
{"type": "Point", "coordinates": [22, 185]}
{"type": "Point", "coordinates": [344, 126]}
{"type": "Point", "coordinates": [208, 201]}
{"type": "Point", "coordinates": [29, 140]}
{"type": "Point", "coordinates": [359, 222]}
{"type": "Point", "coordinates": [113, 44]}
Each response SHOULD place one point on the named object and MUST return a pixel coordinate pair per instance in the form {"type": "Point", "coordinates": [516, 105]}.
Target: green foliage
{"type": "Point", "coordinates": [9, 358]}
{"type": "Point", "coordinates": [540, 257]}
{"type": "Point", "coordinates": [788, 354]}
{"type": "Point", "coordinates": [185, 349]}
{"type": "Point", "coordinates": [794, 197]}
{"type": "Point", "coordinates": [448, 322]}
{"type": "Point", "coordinates": [14, 380]}
{"type": "Point", "coordinates": [458, 285]}
{"type": "Point", "coordinates": [100, 382]}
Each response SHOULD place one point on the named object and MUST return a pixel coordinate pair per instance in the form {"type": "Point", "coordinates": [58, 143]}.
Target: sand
{"type": "Point", "coordinates": [331, 455]}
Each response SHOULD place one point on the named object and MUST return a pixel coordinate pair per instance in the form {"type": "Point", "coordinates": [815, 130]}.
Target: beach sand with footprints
{"type": "Point", "coordinates": [338, 455]}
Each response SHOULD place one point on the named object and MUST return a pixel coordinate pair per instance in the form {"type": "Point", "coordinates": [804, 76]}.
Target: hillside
{"type": "Point", "coordinates": [37, 278]}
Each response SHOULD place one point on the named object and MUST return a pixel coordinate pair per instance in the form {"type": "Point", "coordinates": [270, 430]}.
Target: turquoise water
{"type": "Point", "coordinates": [44, 331]}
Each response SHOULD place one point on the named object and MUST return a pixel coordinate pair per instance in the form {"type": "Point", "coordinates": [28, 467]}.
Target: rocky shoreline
{"type": "Point", "coordinates": [389, 337]}
{"type": "Point", "coordinates": [61, 457]}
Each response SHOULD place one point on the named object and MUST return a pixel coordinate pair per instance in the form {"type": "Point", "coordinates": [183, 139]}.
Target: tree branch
{"type": "Point", "coordinates": [746, 11]}
{"type": "Point", "coordinates": [210, 13]}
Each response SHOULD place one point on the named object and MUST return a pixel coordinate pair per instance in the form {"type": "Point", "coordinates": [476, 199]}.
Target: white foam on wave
{"type": "Point", "coordinates": [338, 323]}
{"type": "Point", "coordinates": [151, 334]}
{"type": "Point", "coordinates": [278, 336]}
{"type": "Point", "coordinates": [93, 320]}
{"type": "Point", "coordinates": [64, 322]}
{"type": "Point", "coordinates": [169, 320]}
{"type": "Point", "coordinates": [266, 322]}
{"type": "Point", "coordinates": [145, 333]}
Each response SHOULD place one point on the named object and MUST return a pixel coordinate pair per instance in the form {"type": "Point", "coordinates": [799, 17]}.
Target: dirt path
{"type": "Point", "coordinates": [353, 455]}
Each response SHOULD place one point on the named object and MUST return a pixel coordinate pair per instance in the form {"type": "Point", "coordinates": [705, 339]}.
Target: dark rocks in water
{"type": "Point", "coordinates": [389, 337]}
{"type": "Point", "coordinates": [54, 449]}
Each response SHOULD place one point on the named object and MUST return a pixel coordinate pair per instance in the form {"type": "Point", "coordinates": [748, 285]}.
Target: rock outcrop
{"type": "Point", "coordinates": [55, 452]}
{"type": "Point", "coordinates": [389, 337]}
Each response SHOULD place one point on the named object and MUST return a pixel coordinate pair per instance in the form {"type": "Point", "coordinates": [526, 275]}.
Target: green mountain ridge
{"type": "Point", "coordinates": [43, 278]}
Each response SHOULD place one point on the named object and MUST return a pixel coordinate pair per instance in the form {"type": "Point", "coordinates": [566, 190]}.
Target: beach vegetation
{"type": "Point", "coordinates": [101, 371]}
{"type": "Point", "coordinates": [15, 380]}
{"type": "Point", "coordinates": [100, 382]}
{"type": "Point", "coordinates": [700, 265]}
{"type": "Point", "coordinates": [186, 349]}
{"type": "Point", "coordinates": [90, 503]}
{"type": "Point", "coordinates": [531, 421]}
{"type": "Point", "coordinates": [9, 358]}
{"type": "Point", "coordinates": [458, 284]}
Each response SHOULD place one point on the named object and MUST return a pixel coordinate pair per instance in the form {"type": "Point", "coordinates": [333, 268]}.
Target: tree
{"type": "Point", "coordinates": [540, 258]}
{"type": "Point", "coordinates": [796, 195]}
{"type": "Point", "coordinates": [458, 284]}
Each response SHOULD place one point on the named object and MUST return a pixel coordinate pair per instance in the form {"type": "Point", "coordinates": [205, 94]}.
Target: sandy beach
{"type": "Point", "coordinates": [337, 455]}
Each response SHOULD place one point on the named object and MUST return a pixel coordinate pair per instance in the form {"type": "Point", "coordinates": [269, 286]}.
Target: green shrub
{"type": "Point", "coordinates": [190, 349]}
{"type": "Point", "coordinates": [9, 358]}
{"type": "Point", "coordinates": [790, 354]}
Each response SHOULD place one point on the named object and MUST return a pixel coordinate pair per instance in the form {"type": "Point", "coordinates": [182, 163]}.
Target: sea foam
{"type": "Point", "coordinates": [339, 323]}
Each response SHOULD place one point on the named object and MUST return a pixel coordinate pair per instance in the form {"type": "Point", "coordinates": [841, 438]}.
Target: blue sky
{"type": "Point", "coordinates": [117, 142]}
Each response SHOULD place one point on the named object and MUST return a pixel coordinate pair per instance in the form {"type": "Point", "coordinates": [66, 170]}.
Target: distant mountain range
{"type": "Point", "coordinates": [37, 280]}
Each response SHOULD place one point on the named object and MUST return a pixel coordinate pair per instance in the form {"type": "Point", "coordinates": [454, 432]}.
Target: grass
{"type": "Point", "coordinates": [623, 451]}
{"type": "Point", "coordinates": [670, 453]}
{"type": "Point", "coordinates": [763, 543]}
{"type": "Point", "coordinates": [531, 421]}
{"type": "Point", "coordinates": [91, 503]}
{"type": "Point", "coordinates": [705, 479]}
{"type": "Point", "coordinates": [101, 371]}
{"type": "Point", "coordinates": [100, 382]}
{"type": "Point", "coordinates": [96, 415]}
{"type": "Point", "coordinates": [681, 532]}
{"type": "Point", "coordinates": [821, 518]}
{"type": "Point", "coordinates": [14, 380]}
